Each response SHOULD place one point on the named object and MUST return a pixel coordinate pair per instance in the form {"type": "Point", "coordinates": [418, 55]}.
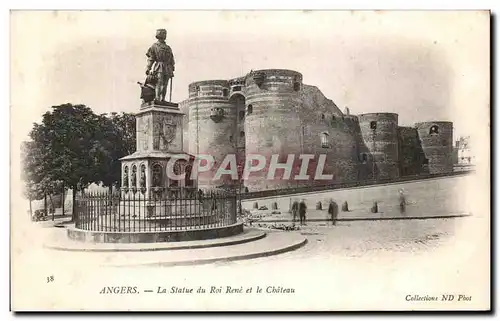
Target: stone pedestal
{"type": "Point", "coordinates": [159, 140]}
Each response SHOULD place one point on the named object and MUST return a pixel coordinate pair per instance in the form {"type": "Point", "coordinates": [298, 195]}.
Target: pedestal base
{"type": "Point", "coordinates": [167, 104]}
{"type": "Point", "coordinates": [190, 234]}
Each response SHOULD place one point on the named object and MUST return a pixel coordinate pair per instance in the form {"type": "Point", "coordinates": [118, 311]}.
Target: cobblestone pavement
{"type": "Point", "coordinates": [365, 239]}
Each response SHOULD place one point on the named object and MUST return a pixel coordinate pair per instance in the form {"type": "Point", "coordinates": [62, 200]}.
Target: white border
{"type": "Point", "coordinates": [255, 4]}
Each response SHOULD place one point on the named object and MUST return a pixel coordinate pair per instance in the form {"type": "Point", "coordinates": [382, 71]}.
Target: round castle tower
{"type": "Point", "coordinates": [272, 121]}
{"type": "Point", "coordinates": [380, 144]}
{"type": "Point", "coordinates": [211, 124]}
{"type": "Point", "coordinates": [437, 143]}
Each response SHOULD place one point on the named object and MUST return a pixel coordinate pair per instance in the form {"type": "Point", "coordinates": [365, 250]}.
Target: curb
{"type": "Point", "coordinates": [247, 239]}
{"type": "Point", "coordinates": [365, 219]}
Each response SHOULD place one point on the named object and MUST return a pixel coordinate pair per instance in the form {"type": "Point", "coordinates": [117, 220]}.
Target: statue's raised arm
{"type": "Point", "coordinates": [160, 65]}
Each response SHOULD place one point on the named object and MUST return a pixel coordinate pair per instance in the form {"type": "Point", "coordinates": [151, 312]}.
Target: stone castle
{"type": "Point", "coordinates": [272, 111]}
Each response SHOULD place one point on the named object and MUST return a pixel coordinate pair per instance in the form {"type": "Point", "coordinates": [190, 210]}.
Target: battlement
{"type": "Point", "coordinates": [378, 116]}
{"type": "Point", "coordinates": [444, 124]}
{"type": "Point", "coordinates": [209, 88]}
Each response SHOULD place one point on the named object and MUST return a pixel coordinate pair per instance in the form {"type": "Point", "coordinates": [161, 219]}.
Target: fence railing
{"type": "Point", "coordinates": [138, 212]}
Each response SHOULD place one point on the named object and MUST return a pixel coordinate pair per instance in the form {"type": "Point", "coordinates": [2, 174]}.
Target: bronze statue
{"type": "Point", "coordinates": [161, 65]}
{"type": "Point", "coordinates": [148, 89]}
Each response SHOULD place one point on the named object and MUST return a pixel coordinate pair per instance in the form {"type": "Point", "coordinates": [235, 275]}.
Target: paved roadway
{"type": "Point", "coordinates": [363, 239]}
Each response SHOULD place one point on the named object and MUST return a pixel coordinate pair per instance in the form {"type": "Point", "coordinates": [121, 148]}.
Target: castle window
{"type": "Point", "coordinates": [373, 125]}
{"type": "Point", "coordinates": [324, 140]}
{"type": "Point", "coordinates": [236, 88]}
{"type": "Point", "coordinates": [434, 130]}
{"type": "Point", "coordinates": [225, 92]}
{"type": "Point", "coordinates": [296, 86]}
{"type": "Point", "coordinates": [231, 138]}
{"type": "Point", "coordinates": [333, 118]}
{"type": "Point", "coordinates": [242, 134]}
{"type": "Point", "coordinates": [242, 114]}
{"type": "Point", "coordinates": [364, 158]}
{"type": "Point", "coordinates": [249, 109]}
{"type": "Point", "coordinates": [322, 116]}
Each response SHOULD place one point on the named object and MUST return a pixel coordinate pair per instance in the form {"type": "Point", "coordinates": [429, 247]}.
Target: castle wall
{"type": "Point", "coordinates": [238, 103]}
{"type": "Point", "coordinates": [312, 96]}
{"type": "Point", "coordinates": [412, 159]}
{"type": "Point", "coordinates": [380, 136]}
{"type": "Point", "coordinates": [437, 145]}
{"type": "Point", "coordinates": [211, 123]}
{"type": "Point", "coordinates": [322, 124]}
{"type": "Point", "coordinates": [184, 108]}
{"type": "Point", "coordinates": [272, 121]}
{"type": "Point", "coordinates": [271, 112]}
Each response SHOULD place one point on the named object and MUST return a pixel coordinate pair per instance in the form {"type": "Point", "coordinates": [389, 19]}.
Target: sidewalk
{"type": "Point", "coordinates": [272, 244]}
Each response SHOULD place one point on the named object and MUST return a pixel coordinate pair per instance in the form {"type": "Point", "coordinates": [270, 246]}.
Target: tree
{"type": "Point", "coordinates": [30, 175]}
{"type": "Point", "coordinates": [117, 139]}
{"type": "Point", "coordinates": [65, 144]}
{"type": "Point", "coordinates": [38, 182]}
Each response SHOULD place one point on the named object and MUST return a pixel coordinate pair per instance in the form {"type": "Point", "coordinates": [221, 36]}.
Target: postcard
{"type": "Point", "coordinates": [250, 160]}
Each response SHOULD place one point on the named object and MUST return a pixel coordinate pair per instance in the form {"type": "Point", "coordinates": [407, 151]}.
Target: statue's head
{"type": "Point", "coordinates": [161, 34]}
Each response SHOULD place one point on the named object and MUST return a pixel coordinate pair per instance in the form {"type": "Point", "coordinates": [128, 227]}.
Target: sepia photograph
{"type": "Point", "coordinates": [230, 160]}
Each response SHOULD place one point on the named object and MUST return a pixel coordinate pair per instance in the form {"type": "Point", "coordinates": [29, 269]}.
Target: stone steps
{"type": "Point", "coordinates": [273, 244]}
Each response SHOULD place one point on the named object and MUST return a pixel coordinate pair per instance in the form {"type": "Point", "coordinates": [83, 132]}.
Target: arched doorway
{"type": "Point", "coordinates": [238, 102]}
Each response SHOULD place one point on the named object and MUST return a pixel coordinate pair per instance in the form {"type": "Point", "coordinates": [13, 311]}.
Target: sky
{"type": "Point", "coordinates": [422, 65]}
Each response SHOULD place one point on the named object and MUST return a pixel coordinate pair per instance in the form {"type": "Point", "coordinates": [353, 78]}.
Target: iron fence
{"type": "Point", "coordinates": [139, 212]}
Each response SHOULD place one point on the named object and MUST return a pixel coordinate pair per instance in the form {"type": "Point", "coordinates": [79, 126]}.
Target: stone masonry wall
{"type": "Point", "coordinates": [211, 124]}
{"type": "Point", "coordinates": [437, 146]}
{"type": "Point", "coordinates": [269, 112]}
{"type": "Point", "coordinates": [272, 121]}
{"type": "Point", "coordinates": [380, 135]}
{"type": "Point", "coordinates": [411, 155]}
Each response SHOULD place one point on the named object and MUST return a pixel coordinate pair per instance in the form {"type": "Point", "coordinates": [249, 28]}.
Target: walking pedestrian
{"type": "Point", "coordinates": [402, 201]}
{"type": "Point", "coordinates": [295, 210]}
{"type": "Point", "coordinates": [302, 212]}
{"type": "Point", "coordinates": [333, 210]}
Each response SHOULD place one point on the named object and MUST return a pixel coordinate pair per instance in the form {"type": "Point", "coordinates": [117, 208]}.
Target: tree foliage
{"type": "Point", "coordinates": [73, 147]}
{"type": "Point", "coordinates": [117, 140]}
{"type": "Point", "coordinates": [30, 157]}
